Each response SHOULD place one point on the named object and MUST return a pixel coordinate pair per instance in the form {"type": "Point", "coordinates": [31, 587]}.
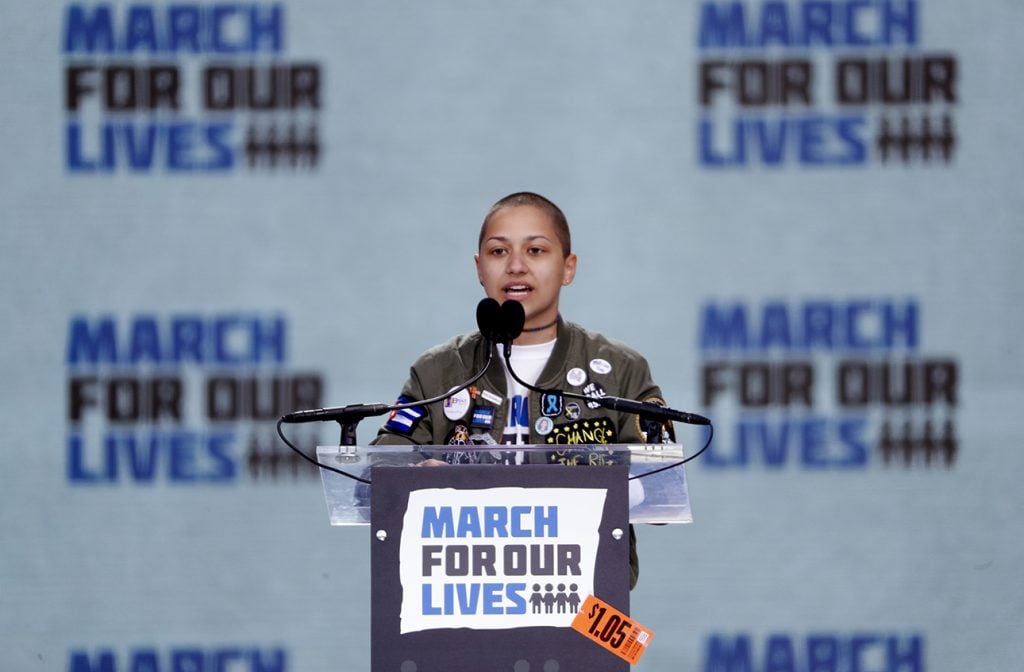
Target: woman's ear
{"type": "Point", "coordinates": [569, 272]}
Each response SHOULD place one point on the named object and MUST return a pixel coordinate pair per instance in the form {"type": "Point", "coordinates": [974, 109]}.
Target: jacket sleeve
{"type": "Point", "coordinates": [411, 425]}
{"type": "Point", "coordinates": [638, 384]}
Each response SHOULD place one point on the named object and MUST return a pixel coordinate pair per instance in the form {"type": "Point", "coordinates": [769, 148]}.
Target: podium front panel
{"type": "Point", "coordinates": [484, 567]}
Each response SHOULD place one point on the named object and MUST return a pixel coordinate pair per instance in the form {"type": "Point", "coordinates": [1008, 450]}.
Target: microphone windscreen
{"type": "Point", "coordinates": [513, 318]}
{"type": "Point", "coordinates": [489, 319]}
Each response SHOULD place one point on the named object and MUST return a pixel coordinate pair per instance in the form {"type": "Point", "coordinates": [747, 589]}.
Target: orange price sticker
{"type": "Point", "coordinates": [602, 623]}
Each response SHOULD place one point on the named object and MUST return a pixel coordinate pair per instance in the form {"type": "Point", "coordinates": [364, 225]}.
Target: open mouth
{"type": "Point", "coordinates": [517, 291]}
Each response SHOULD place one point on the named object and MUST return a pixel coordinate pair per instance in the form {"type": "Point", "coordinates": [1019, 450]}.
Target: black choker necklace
{"type": "Point", "coordinates": [546, 326]}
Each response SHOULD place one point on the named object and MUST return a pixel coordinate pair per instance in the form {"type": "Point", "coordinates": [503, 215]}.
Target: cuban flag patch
{"type": "Point", "coordinates": [406, 419]}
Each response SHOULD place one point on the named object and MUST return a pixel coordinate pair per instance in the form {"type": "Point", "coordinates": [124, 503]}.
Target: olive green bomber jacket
{"type": "Point", "coordinates": [582, 361]}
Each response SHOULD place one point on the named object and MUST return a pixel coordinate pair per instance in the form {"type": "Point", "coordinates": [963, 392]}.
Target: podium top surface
{"type": "Point", "coordinates": [657, 484]}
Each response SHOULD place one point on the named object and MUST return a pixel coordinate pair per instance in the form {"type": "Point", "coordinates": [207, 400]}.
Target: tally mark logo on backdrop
{"type": "Point", "coordinates": [498, 558]}
{"type": "Point", "coordinates": [818, 84]}
{"type": "Point", "coordinates": [194, 88]}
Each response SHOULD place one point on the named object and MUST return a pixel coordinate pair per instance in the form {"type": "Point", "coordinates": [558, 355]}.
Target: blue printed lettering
{"type": "Point", "coordinates": [438, 521]}
{"type": "Point", "coordinates": [514, 593]}
{"type": "Point", "coordinates": [469, 522]}
{"type": "Point", "coordinates": [820, 652]}
{"type": "Point", "coordinates": [218, 28]}
{"type": "Point", "coordinates": [88, 33]}
{"type": "Point", "coordinates": [495, 521]}
{"type": "Point", "coordinates": [779, 655]}
{"type": "Point", "coordinates": [92, 343]}
{"type": "Point", "coordinates": [228, 339]}
{"type": "Point", "coordinates": [145, 340]}
{"type": "Point", "coordinates": [731, 654]}
{"type": "Point", "coordinates": [545, 521]}
{"type": "Point", "coordinates": [811, 140]}
{"type": "Point", "coordinates": [140, 31]}
{"type": "Point", "coordinates": [141, 147]}
{"type": "Point", "coordinates": [905, 654]}
{"type": "Point", "coordinates": [151, 659]}
{"type": "Point", "coordinates": [184, 659]}
{"type": "Point", "coordinates": [729, 25]}
{"type": "Point", "coordinates": [469, 597]}
{"type": "Point", "coordinates": [811, 442]}
{"type": "Point", "coordinates": [722, 25]}
{"type": "Point", "coordinates": [724, 327]}
{"type": "Point", "coordinates": [493, 598]}
{"type": "Point", "coordinates": [518, 512]}
{"type": "Point", "coordinates": [427, 606]}
{"type": "Point", "coordinates": [859, 324]}
{"type": "Point", "coordinates": [175, 456]}
{"type": "Point", "coordinates": [488, 521]}
{"type": "Point", "coordinates": [487, 599]}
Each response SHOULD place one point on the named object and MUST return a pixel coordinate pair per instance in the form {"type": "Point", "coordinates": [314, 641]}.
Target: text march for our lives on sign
{"type": "Point", "coordinates": [498, 558]}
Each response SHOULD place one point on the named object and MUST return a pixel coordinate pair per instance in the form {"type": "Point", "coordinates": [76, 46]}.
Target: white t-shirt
{"type": "Point", "coordinates": [527, 361]}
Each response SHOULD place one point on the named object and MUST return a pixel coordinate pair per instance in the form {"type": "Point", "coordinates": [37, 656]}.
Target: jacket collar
{"type": "Point", "coordinates": [553, 373]}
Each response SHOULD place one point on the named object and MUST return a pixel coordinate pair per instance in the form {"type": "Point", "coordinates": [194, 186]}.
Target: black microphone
{"type": "Point", "coordinates": [650, 410]}
{"type": "Point", "coordinates": [489, 320]}
{"type": "Point", "coordinates": [350, 413]}
{"type": "Point", "coordinates": [513, 319]}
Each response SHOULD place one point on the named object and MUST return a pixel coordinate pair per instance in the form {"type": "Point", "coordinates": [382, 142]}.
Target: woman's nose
{"type": "Point", "coordinates": [515, 263]}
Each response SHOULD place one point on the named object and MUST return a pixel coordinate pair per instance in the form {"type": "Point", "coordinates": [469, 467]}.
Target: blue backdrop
{"type": "Point", "coordinates": [802, 213]}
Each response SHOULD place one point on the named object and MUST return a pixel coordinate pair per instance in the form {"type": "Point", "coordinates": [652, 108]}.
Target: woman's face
{"type": "Point", "coordinates": [522, 259]}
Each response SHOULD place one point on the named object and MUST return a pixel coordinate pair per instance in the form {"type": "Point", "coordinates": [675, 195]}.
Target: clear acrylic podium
{"type": "Point", "coordinates": [481, 563]}
{"type": "Point", "coordinates": [656, 498]}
